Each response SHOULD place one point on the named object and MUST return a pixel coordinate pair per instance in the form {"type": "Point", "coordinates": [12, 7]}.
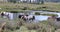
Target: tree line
{"type": "Point", "coordinates": [15, 1]}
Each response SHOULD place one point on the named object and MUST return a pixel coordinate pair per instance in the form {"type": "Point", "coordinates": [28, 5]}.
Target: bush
{"type": "Point", "coordinates": [25, 8]}
{"type": "Point", "coordinates": [37, 13]}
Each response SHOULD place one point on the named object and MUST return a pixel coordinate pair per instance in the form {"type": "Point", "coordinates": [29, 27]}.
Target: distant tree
{"type": "Point", "coordinates": [42, 2]}
{"type": "Point", "coordinates": [30, 1]}
{"type": "Point", "coordinates": [14, 1]}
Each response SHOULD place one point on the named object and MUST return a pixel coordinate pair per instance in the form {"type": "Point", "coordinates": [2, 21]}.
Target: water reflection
{"type": "Point", "coordinates": [41, 17]}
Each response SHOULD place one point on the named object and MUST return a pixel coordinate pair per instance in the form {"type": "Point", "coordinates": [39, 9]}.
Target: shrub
{"type": "Point", "coordinates": [44, 7]}
{"type": "Point", "coordinates": [37, 13]}
{"type": "Point", "coordinates": [25, 8]}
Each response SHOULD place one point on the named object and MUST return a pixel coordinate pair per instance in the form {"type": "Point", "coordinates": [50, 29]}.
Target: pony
{"type": "Point", "coordinates": [27, 17]}
{"type": "Point", "coordinates": [5, 14]}
{"type": "Point", "coordinates": [31, 17]}
{"type": "Point", "coordinates": [2, 14]}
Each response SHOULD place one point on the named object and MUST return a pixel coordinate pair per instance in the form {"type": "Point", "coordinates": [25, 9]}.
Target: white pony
{"type": "Point", "coordinates": [30, 17]}
{"type": "Point", "coordinates": [6, 14]}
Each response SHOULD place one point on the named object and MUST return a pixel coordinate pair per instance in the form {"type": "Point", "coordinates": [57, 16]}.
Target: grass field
{"type": "Point", "coordinates": [27, 27]}
{"type": "Point", "coordinates": [22, 6]}
{"type": "Point", "coordinates": [19, 25]}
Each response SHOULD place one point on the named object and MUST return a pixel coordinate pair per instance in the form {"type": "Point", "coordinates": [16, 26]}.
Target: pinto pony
{"type": "Point", "coordinates": [31, 18]}
{"type": "Point", "coordinates": [6, 14]}
{"type": "Point", "coordinates": [27, 17]}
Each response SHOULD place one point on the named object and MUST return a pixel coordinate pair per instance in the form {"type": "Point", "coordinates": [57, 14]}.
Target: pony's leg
{"type": "Point", "coordinates": [30, 20]}
{"type": "Point", "coordinates": [24, 19]}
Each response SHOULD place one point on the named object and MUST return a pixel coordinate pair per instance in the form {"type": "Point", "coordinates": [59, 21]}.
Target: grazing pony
{"type": "Point", "coordinates": [20, 16]}
{"type": "Point", "coordinates": [2, 14]}
{"type": "Point", "coordinates": [27, 17]}
{"type": "Point", "coordinates": [31, 17]}
{"type": "Point", "coordinates": [58, 19]}
{"type": "Point", "coordinates": [6, 14]}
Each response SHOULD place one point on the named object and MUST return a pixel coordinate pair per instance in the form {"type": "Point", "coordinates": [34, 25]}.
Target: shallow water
{"type": "Point", "coordinates": [41, 17]}
{"type": "Point", "coordinates": [37, 17]}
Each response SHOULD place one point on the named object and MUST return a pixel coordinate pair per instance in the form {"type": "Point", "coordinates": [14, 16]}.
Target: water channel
{"type": "Point", "coordinates": [42, 17]}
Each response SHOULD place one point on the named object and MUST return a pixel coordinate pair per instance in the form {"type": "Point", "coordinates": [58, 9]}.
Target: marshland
{"type": "Point", "coordinates": [15, 16]}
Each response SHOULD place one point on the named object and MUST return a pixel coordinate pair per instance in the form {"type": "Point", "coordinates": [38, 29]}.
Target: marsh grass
{"type": "Point", "coordinates": [43, 26]}
{"type": "Point", "coordinates": [27, 27]}
{"type": "Point", "coordinates": [20, 6]}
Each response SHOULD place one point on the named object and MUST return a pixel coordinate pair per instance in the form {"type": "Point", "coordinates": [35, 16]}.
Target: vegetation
{"type": "Point", "coordinates": [22, 26]}
{"type": "Point", "coordinates": [14, 1]}
{"type": "Point", "coordinates": [42, 2]}
{"type": "Point", "coordinates": [19, 25]}
{"type": "Point", "coordinates": [50, 14]}
{"type": "Point", "coordinates": [25, 6]}
{"type": "Point", "coordinates": [14, 11]}
{"type": "Point", "coordinates": [37, 13]}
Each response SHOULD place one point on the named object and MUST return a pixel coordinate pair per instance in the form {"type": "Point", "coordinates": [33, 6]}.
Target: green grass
{"type": "Point", "coordinates": [20, 6]}
{"type": "Point", "coordinates": [27, 27]}
{"type": "Point", "coordinates": [50, 14]}
{"type": "Point", "coordinates": [24, 27]}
